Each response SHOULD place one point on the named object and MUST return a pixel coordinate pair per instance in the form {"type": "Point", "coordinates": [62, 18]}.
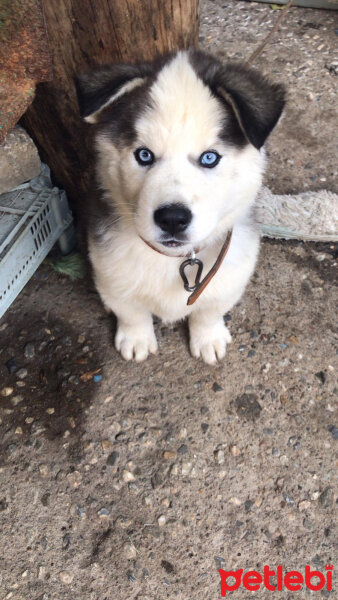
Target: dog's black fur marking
{"type": "Point", "coordinates": [258, 102]}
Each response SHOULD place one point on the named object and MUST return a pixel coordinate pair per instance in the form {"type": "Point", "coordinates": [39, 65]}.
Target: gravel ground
{"type": "Point", "coordinates": [120, 480]}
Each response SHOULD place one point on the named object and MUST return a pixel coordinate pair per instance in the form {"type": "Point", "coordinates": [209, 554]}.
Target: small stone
{"type": "Point", "coordinates": [234, 450]}
{"type": "Point", "coordinates": [29, 350]}
{"type": "Point", "coordinates": [44, 470]}
{"type": "Point", "coordinates": [334, 431]}
{"type": "Point", "coordinates": [275, 452]}
{"type": "Point", "coordinates": [204, 427]}
{"type": "Point", "coordinates": [174, 470]}
{"type": "Point", "coordinates": [304, 505]}
{"type": "Point", "coordinates": [235, 501]}
{"type": "Point", "coordinates": [186, 468]}
{"type": "Point", "coordinates": [74, 478]}
{"type": "Point", "coordinates": [50, 410]}
{"type": "Point", "coordinates": [11, 366]}
{"type": "Point", "coordinates": [167, 566]}
{"type": "Point", "coordinates": [165, 502]}
{"type": "Point", "coordinates": [161, 521]}
{"type": "Point", "coordinates": [169, 455]}
{"type": "Point", "coordinates": [183, 449]}
{"type": "Point", "coordinates": [15, 400]}
{"type": "Point", "coordinates": [106, 445]}
{"type": "Point", "coordinates": [22, 373]}
{"type": "Point", "coordinates": [127, 475]}
{"type": "Point", "coordinates": [18, 431]}
{"type": "Point", "coordinates": [219, 457]}
{"type": "Point", "coordinates": [112, 458]}
{"type": "Point", "coordinates": [326, 498]}
{"type": "Point", "coordinates": [307, 523]}
{"type": "Point", "coordinates": [81, 339]}
{"type": "Point", "coordinates": [6, 391]}
{"type": "Point", "coordinates": [129, 551]}
{"type": "Point", "coordinates": [3, 505]}
{"type": "Point", "coordinates": [321, 375]}
{"type": "Point", "coordinates": [216, 387]}
{"type": "Point", "coordinates": [103, 512]}
{"type": "Point", "coordinates": [147, 501]}
{"type": "Point", "coordinates": [66, 577]}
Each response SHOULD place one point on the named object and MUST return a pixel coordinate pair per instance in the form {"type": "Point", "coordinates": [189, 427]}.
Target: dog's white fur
{"type": "Point", "coordinates": [135, 281]}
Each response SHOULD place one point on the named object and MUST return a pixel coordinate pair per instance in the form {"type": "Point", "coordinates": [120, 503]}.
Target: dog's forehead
{"type": "Point", "coordinates": [182, 110]}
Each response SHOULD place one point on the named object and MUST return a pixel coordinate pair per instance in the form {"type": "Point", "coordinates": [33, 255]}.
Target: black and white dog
{"type": "Point", "coordinates": [179, 161]}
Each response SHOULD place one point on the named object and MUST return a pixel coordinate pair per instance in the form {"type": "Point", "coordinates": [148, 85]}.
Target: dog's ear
{"type": "Point", "coordinates": [96, 89]}
{"type": "Point", "coordinates": [256, 103]}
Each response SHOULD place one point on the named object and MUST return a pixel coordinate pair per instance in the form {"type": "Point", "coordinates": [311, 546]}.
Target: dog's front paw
{"type": "Point", "coordinates": [135, 342]}
{"type": "Point", "coordinates": [209, 343]}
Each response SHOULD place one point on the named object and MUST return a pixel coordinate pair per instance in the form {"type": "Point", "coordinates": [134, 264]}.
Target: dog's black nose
{"type": "Point", "coordinates": [173, 218]}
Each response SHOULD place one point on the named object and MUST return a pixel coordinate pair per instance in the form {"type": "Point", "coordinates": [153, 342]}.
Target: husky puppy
{"type": "Point", "coordinates": [179, 163]}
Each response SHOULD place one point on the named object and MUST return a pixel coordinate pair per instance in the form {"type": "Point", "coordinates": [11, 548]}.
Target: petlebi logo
{"type": "Point", "coordinates": [276, 580]}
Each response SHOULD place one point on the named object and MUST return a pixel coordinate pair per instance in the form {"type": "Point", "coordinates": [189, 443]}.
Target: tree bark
{"type": "Point", "coordinates": [82, 34]}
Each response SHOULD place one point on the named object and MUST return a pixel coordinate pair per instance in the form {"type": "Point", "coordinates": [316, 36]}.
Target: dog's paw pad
{"type": "Point", "coordinates": [135, 344]}
{"type": "Point", "coordinates": [209, 344]}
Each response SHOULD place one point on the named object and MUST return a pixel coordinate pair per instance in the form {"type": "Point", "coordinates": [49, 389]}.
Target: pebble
{"type": "Point", "coordinates": [326, 497]}
{"type": "Point", "coordinates": [127, 475]}
{"type": "Point", "coordinates": [66, 577]}
{"type": "Point", "coordinates": [18, 431]}
{"type": "Point", "coordinates": [44, 470]}
{"type": "Point", "coordinates": [183, 449]}
{"type": "Point", "coordinates": [6, 391]}
{"type": "Point", "coordinates": [165, 502]}
{"type": "Point", "coordinates": [161, 521]}
{"type": "Point", "coordinates": [186, 468]}
{"type": "Point", "coordinates": [129, 551]}
{"type": "Point", "coordinates": [147, 501]}
{"type": "Point", "coordinates": [216, 387]}
{"type": "Point", "coordinates": [103, 512]}
{"type": "Point", "coordinates": [334, 431]}
{"type": "Point", "coordinates": [169, 455]}
{"type": "Point", "coordinates": [74, 478]}
{"type": "Point", "coordinates": [11, 365]}
{"type": "Point", "coordinates": [219, 456]}
{"type": "Point", "coordinates": [234, 450]}
{"type": "Point", "coordinates": [112, 458]}
{"type": "Point", "coordinates": [22, 373]}
{"type": "Point", "coordinates": [235, 501]}
{"type": "Point", "coordinates": [29, 350]}
{"type": "Point", "coordinates": [15, 400]}
{"type": "Point", "coordinates": [106, 445]}
{"type": "Point", "coordinates": [204, 427]}
{"type": "Point", "coordinates": [50, 410]}
{"type": "Point", "coordinates": [304, 505]}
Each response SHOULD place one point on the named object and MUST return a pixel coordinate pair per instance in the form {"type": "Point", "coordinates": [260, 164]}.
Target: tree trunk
{"type": "Point", "coordinates": [83, 33]}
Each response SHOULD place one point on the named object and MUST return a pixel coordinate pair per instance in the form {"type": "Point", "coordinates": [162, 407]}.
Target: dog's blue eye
{"type": "Point", "coordinates": [209, 159]}
{"type": "Point", "coordinates": [144, 156]}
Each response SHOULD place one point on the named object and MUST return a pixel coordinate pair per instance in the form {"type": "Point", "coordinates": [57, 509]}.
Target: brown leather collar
{"type": "Point", "coordinates": [170, 255]}
{"type": "Point", "coordinates": [199, 286]}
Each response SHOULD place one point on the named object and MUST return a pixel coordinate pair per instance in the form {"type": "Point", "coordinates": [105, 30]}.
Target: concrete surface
{"type": "Point", "coordinates": [19, 160]}
{"type": "Point", "coordinates": [144, 483]}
